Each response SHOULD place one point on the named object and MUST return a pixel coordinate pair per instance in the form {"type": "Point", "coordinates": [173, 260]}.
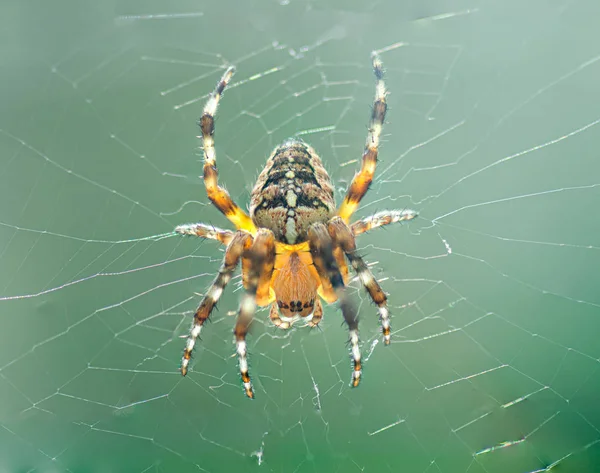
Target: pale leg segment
{"type": "Point", "coordinates": [205, 231]}
{"type": "Point", "coordinates": [233, 254]}
{"type": "Point", "coordinates": [217, 194]}
{"type": "Point", "coordinates": [382, 218]}
{"type": "Point", "coordinates": [342, 235]}
{"type": "Point", "coordinates": [321, 248]}
{"type": "Point", "coordinates": [362, 180]}
{"type": "Point", "coordinates": [259, 260]}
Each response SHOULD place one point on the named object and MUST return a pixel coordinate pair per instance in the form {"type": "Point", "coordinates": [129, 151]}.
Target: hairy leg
{"type": "Point", "coordinates": [259, 256]}
{"type": "Point", "coordinates": [217, 194]}
{"type": "Point", "coordinates": [321, 248]}
{"type": "Point", "coordinates": [240, 242]}
{"type": "Point", "coordinates": [205, 231]}
{"type": "Point", "coordinates": [362, 180]}
{"type": "Point", "coordinates": [342, 235]}
{"type": "Point", "coordinates": [380, 219]}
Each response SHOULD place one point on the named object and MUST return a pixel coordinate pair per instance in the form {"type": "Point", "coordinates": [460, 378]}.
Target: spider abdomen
{"type": "Point", "coordinates": [292, 192]}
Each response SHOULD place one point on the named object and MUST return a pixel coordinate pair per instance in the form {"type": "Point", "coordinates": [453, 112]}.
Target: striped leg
{"type": "Point", "coordinates": [362, 180]}
{"type": "Point", "coordinates": [321, 248]}
{"type": "Point", "coordinates": [219, 196]}
{"type": "Point", "coordinates": [380, 219]}
{"type": "Point", "coordinates": [240, 242]}
{"type": "Point", "coordinates": [259, 261]}
{"type": "Point", "coordinates": [342, 235]}
{"type": "Point", "coordinates": [205, 231]}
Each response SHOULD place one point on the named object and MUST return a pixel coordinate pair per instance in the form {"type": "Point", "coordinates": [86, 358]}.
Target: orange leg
{"type": "Point", "coordinates": [260, 256]}
{"type": "Point", "coordinates": [219, 196]}
{"type": "Point", "coordinates": [264, 244]}
{"type": "Point", "coordinates": [362, 180]}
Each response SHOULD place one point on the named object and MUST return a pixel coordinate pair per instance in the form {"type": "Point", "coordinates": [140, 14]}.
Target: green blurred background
{"type": "Point", "coordinates": [492, 135]}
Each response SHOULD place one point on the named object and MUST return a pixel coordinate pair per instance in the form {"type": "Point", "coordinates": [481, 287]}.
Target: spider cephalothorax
{"type": "Point", "coordinates": [294, 246]}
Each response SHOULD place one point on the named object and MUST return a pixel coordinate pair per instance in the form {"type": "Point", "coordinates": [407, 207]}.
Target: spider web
{"type": "Point", "coordinates": [491, 137]}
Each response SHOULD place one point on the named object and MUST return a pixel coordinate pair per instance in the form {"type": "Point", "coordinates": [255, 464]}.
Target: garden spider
{"type": "Point", "coordinates": [294, 244]}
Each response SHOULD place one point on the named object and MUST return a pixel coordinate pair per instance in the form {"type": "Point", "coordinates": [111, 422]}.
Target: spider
{"type": "Point", "coordinates": [294, 244]}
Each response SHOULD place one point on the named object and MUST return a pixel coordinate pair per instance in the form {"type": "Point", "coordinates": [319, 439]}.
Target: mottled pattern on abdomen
{"type": "Point", "coordinates": [292, 192]}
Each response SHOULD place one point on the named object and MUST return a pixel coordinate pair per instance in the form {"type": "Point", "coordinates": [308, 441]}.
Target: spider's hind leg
{"type": "Point", "coordinates": [203, 230]}
{"type": "Point", "coordinates": [342, 234]}
{"type": "Point", "coordinates": [321, 248]}
{"type": "Point", "coordinates": [381, 219]}
{"type": "Point", "coordinates": [258, 264]}
{"type": "Point", "coordinates": [233, 253]}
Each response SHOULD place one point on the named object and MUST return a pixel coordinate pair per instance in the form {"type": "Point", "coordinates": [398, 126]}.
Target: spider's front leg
{"type": "Point", "coordinates": [205, 231]}
{"type": "Point", "coordinates": [381, 219]}
{"type": "Point", "coordinates": [240, 242]}
{"type": "Point", "coordinates": [321, 248]}
{"type": "Point", "coordinates": [342, 234]}
{"type": "Point", "coordinates": [258, 263]}
{"type": "Point", "coordinates": [362, 180]}
{"type": "Point", "coordinates": [217, 194]}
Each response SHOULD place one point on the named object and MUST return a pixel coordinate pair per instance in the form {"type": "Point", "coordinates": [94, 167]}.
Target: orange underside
{"type": "Point", "coordinates": [282, 259]}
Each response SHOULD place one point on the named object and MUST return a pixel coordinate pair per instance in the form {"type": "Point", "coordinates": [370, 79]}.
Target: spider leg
{"type": "Point", "coordinates": [341, 233]}
{"type": "Point", "coordinates": [362, 180]}
{"type": "Point", "coordinates": [259, 261]}
{"type": "Point", "coordinates": [240, 242]}
{"type": "Point", "coordinates": [206, 231]}
{"type": "Point", "coordinates": [217, 194]}
{"type": "Point", "coordinates": [380, 219]}
{"type": "Point", "coordinates": [321, 248]}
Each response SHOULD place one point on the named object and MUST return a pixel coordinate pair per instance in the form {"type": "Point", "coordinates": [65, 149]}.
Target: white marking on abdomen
{"type": "Point", "coordinates": [290, 230]}
{"type": "Point", "coordinates": [291, 198]}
